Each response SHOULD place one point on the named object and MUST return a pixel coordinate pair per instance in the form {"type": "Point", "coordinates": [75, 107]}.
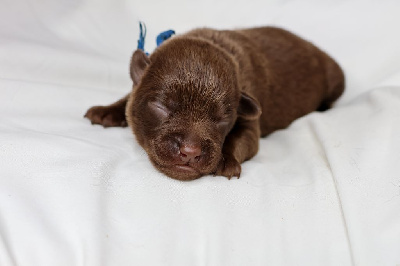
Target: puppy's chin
{"type": "Point", "coordinates": [184, 172]}
{"type": "Point", "coordinates": [181, 172]}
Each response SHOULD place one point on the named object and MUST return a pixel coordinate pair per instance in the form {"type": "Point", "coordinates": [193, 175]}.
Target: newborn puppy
{"type": "Point", "coordinates": [203, 99]}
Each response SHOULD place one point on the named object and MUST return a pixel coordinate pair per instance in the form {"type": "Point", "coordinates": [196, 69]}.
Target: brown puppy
{"type": "Point", "coordinates": [202, 100]}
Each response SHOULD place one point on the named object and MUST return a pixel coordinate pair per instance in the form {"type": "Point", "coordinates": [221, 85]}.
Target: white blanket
{"type": "Point", "coordinates": [325, 191]}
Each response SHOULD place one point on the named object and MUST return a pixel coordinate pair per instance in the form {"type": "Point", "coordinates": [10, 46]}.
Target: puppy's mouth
{"type": "Point", "coordinates": [186, 168]}
{"type": "Point", "coordinates": [183, 172]}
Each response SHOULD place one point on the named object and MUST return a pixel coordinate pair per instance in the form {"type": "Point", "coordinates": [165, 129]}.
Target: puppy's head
{"type": "Point", "coordinates": [185, 101]}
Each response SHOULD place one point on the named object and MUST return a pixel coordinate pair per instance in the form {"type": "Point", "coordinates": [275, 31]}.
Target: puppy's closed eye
{"type": "Point", "coordinates": [225, 122]}
{"type": "Point", "coordinates": [224, 125]}
{"type": "Point", "coordinates": [159, 110]}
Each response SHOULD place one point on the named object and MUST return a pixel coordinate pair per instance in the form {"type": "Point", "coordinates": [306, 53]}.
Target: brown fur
{"type": "Point", "coordinates": [202, 100]}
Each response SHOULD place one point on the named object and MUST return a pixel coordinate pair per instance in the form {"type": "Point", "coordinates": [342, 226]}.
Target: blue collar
{"type": "Point", "coordinates": [163, 36]}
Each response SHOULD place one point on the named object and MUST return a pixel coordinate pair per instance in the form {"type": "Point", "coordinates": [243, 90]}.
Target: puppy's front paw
{"type": "Point", "coordinates": [107, 116]}
{"type": "Point", "coordinates": [229, 167]}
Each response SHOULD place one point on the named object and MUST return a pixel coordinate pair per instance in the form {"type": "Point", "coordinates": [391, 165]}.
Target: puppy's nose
{"type": "Point", "coordinates": [190, 153]}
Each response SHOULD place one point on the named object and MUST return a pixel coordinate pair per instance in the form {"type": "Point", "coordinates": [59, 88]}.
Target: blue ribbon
{"type": "Point", "coordinates": [163, 36]}
{"type": "Point", "coordinates": [142, 36]}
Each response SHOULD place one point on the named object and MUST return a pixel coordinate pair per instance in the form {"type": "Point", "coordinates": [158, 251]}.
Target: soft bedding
{"type": "Point", "coordinates": [325, 191]}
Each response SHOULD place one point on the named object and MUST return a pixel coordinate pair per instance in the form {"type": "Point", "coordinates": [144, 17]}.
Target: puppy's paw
{"type": "Point", "coordinates": [107, 116]}
{"type": "Point", "coordinates": [229, 167]}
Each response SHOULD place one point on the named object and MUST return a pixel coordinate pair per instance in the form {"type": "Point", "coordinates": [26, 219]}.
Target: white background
{"type": "Point", "coordinates": [325, 191]}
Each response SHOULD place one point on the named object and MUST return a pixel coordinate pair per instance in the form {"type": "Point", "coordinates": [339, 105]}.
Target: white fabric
{"type": "Point", "coordinates": [325, 191]}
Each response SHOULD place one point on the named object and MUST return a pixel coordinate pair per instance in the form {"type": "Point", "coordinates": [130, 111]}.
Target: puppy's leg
{"type": "Point", "coordinates": [112, 115]}
{"type": "Point", "coordinates": [240, 145]}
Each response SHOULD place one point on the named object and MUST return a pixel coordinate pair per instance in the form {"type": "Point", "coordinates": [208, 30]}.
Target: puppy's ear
{"type": "Point", "coordinates": [249, 108]}
{"type": "Point", "coordinates": [139, 63]}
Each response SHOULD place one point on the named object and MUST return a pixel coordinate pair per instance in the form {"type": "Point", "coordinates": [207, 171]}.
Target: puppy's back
{"type": "Point", "coordinates": [288, 75]}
